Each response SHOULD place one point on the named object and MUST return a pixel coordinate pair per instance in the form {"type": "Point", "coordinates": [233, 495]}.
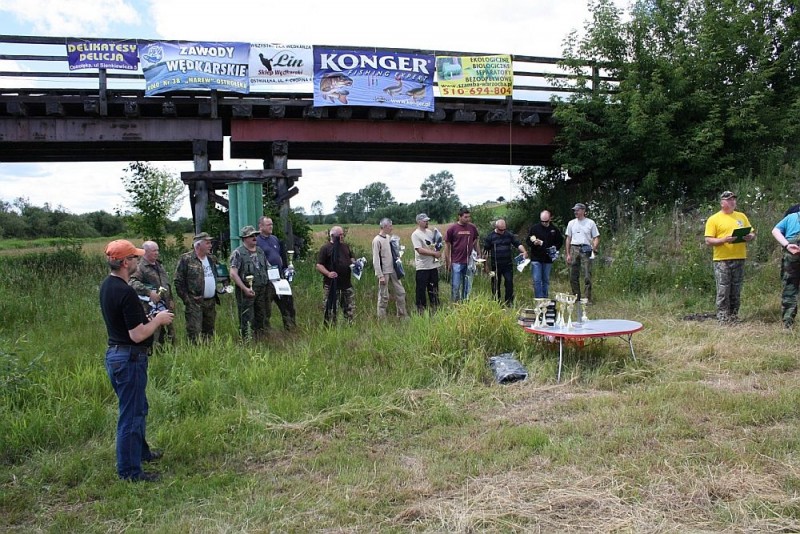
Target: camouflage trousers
{"type": "Point", "coordinates": [791, 284]}
{"type": "Point", "coordinates": [729, 275]}
{"type": "Point", "coordinates": [346, 302]}
{"type": "Point", "coordinates": [200, 318]}
{"type": "Point", "coordinates": [255, 313]}
{"type": "Point", "coordinates": [581, 262]}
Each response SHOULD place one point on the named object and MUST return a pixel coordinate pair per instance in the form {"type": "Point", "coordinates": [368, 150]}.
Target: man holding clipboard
{"type": "Point", "coordinates": [728, 231]}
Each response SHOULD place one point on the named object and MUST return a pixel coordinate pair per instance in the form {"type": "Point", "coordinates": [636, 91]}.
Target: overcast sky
{"type": "Point", "coordinates": [528, 27]}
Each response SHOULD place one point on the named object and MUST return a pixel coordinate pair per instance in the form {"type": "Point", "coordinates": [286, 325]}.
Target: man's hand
{"type": "Point", "coordinates": [163, 318]}
{"type": "Point", "coordinates": [382, 280]}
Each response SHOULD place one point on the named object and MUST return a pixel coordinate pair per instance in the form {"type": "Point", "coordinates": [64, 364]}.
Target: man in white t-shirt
{"type": "Point", "coordinates": [196, 285]}
{"type": "Point", "coordinates": [582, 238]}
{"type": "Point", "coordinates": [426, 261]}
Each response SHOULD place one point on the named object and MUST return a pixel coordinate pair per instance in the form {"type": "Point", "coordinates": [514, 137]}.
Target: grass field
{"type": "Point", "coordinates": [397, 426]}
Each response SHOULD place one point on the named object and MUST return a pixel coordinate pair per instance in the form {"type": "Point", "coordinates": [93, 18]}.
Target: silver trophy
{"type": "Point", "coordinates": [289, 271]}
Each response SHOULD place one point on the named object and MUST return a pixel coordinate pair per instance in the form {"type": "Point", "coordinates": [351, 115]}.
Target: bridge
{"type": "Point", "coordinates": [105, 116]}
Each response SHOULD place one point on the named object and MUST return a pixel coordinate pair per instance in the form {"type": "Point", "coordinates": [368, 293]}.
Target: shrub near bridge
{"type": "Point", "coordinates": [397, 425]}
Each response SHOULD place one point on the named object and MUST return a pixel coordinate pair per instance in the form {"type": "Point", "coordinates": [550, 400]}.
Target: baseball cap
{"type": "Point", "coordinates": [423, 217]}
{"type": "Point", "coordinates": [201, 236]}
{"type": "Point", "coordinates": [248, 231]}
{"type": "Point", "coordinates": [726, 195]}
{"type": "Point", "coordinates": [579, 206]}
{"type": "Point", "coordinates": [121, 249]}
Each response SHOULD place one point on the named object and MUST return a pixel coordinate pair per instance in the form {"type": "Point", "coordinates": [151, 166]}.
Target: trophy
{"type": "Point", "coordinates": [584, 303]}
{"type": "Point", "coordinates": [289, 271]}
{"type": "Point", "coordinates": [249, 279]}
{"type": "Point", "coordinates": [541, 309]}
{"type": "Point", "coordinates": [480, 264]}
{"type": "Point", "coordinates": [559, 310]}
{"type": "Point", "coordinates": [569, 300]}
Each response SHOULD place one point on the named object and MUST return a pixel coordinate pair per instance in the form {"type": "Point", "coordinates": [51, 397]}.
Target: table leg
{"type": "Point", "coordinates": [560, 356]}
{"type": "Point", "coordinates": [630, 343]}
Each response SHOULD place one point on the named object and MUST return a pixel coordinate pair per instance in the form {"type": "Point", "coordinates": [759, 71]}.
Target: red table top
{"type": "Point", "coordinates": [595, 328]}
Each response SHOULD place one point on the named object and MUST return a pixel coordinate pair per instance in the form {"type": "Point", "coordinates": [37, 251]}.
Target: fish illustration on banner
{"type": "Point", "coordinates": [276, 67]}
{"type": "Point", "coordinates": [373, 78]}
{"type": "Point", "coordinates": [174, 65]}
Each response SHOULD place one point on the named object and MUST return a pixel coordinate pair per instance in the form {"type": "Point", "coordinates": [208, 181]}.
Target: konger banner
{"type": "Point", "coordinates": [373, 78]}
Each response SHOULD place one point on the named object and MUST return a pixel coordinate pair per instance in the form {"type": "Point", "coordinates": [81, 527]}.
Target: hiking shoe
{"type": "Point", "coordinates": [155, 455]}
{"type": "Point", "coordinates": [146, 477]}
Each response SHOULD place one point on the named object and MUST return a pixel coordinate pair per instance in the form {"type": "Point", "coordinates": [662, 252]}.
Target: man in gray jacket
{"type": "Point", "coordinates": [383, 262]}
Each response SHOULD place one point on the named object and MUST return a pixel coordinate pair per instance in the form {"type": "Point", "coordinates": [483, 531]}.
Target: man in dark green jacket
{"type": "Point", "coordinates": [249, 271]}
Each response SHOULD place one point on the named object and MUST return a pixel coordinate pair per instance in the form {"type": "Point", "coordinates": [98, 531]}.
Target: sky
{"type": "Point", "coordinates": [527, 27]}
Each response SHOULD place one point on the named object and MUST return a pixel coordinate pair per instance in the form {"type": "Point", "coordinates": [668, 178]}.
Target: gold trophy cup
{"type": "Point", "coordinates": [249, 279]}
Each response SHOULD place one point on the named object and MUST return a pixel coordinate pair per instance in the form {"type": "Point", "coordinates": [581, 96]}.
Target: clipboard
{"type": "Point", "coordinates": [739, 234]}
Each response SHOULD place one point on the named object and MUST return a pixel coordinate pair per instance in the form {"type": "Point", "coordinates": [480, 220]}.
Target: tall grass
{"type": "Point", "coordinates": [397, 425]}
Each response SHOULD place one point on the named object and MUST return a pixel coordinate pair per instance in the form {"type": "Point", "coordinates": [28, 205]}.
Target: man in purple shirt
{"type": "Point", "coordinates": [276, 255]}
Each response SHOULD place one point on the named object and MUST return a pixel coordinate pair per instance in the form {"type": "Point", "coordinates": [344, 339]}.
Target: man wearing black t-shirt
{"type": "Point", "coordinates": [130, 336]}
{"type": "Point", "coordinates": [501, 246]}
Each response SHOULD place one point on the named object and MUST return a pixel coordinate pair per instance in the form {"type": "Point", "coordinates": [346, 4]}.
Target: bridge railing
{"type": "Point", "coordinates": [30, 63]}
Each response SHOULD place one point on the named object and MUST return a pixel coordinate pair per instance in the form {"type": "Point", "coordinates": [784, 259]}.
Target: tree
{"type": "Point", "coordinates": [317, 211]}
{"type": "Point", "coordinates": [708, 92]}
{"type": "Point", "coordinates": [376, 195]}
{"type": "Point", "coordinates": [350, 208]}
{"type": "Point", "coordinates": [438, 196]}
{"type": "Point", "coordinates": [155, 195]}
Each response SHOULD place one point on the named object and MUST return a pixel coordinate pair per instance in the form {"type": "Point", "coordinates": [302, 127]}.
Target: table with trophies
{"type": "Point", "coordinates": [555, 322]}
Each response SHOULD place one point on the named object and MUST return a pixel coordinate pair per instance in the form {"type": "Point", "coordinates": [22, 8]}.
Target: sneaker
{"type": "Point", "coordinates": [788, 324]}
{"type": "Point", "coordinates": [146, 477]}
{"type": "Point", "coordinates": [155, 455]}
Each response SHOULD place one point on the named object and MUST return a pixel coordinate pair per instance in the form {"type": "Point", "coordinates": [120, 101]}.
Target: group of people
{"type": "Point", "coordinates": [137, 302]}
{"type": "Point", "coordinates": [460, 251]}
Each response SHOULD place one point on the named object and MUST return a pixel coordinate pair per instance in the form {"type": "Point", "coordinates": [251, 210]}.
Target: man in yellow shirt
{"type": "Point", "coordinates": [730, 253]}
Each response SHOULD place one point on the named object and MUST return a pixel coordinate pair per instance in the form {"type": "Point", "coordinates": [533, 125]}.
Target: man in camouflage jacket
{"type": "Point", "coordinates": [151, 280]}
{"type": "Point", "coordinates": [196, 285]}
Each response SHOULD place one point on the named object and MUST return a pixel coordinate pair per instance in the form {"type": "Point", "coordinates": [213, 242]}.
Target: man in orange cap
{"type": "Point", "coordinates": [130, 337]}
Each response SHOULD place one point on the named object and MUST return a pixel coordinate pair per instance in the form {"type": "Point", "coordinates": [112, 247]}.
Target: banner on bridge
{"type": "Point", "coordinates": [172, 66]}
{"type": "Point", "coordinates": [275, 67]}
{"type": "Point", "coordinates": [475, 76]}
{"type": "Point", "coordinates": [102, 54]}
{"type": "Point", "coordinates": [373, 78]}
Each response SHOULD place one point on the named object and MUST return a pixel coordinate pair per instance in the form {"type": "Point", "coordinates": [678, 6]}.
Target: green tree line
{"type": "Point", "coordinates": [374, 202]}
{"type": "Point", "coordinates": [19, 219]}
{"type": "Point", "coordinates": [708, 94]}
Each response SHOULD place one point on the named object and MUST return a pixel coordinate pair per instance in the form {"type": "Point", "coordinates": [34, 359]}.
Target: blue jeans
{"type": "Point", "coordinates": [460, 283]}
{"type": "Point", "coordinates": [127, 371]}
{"type": "Point", "coordinates": [541, 279]}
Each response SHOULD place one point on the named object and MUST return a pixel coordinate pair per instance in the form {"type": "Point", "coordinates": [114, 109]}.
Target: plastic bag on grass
{"type": "Point", "coordinates": [507, 369]}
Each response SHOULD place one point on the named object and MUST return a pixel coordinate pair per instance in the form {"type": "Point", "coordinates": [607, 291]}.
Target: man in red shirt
{"type": "Point", "coordinates": [460, 241]}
